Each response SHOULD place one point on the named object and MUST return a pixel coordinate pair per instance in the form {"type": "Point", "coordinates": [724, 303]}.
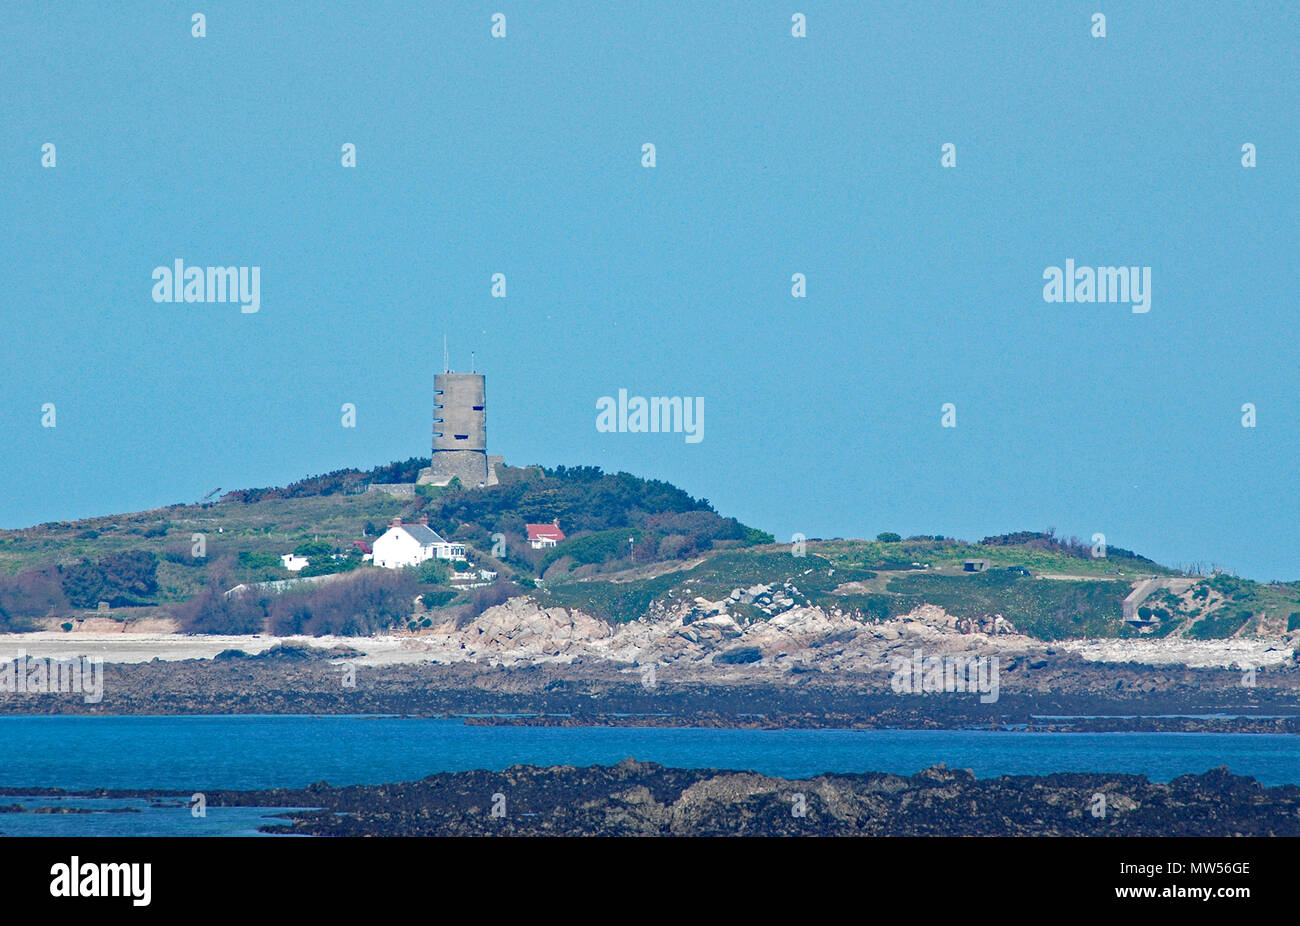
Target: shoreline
{"type": "Point", "coordinates": [126, 646]}
{"type": "Point", "coordinates": [1052, 688]}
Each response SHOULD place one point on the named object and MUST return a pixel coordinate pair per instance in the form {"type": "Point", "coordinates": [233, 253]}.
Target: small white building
{"type": "Point", "coordinates": [293, 562]}
{"type": "Point", "coordinates": [411, 544]}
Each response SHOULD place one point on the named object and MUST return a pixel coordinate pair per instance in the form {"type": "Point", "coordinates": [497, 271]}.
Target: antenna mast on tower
{"type": "Point", "coordinates": [446, 363]}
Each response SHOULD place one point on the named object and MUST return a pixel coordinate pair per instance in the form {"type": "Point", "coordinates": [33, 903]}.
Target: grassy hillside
{"type": "Point", "coordinates": [174, 561]}
{"type": "Point", "coordinates": [631, 543]}
{"type": "Point", "coordinates": [1049, 593]}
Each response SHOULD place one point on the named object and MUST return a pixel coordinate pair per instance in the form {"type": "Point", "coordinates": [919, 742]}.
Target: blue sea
{"type": "Point", "coordinates": [194, 754]}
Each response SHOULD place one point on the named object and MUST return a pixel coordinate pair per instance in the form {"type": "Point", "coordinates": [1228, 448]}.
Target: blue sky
{"type": "Point", "coordinates": [775, 155]}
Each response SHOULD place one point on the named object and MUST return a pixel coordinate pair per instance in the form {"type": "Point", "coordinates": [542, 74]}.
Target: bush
{"type": "Point", "coordinates": [1231, 587]}
{"type": "Point", "coordinates": [186, 557]}
{"type": "Point", "coordinates": [255, 561]}
{"type": "Point", "coordinates": [593, 548]}
{"type": "Point", "coordinates": [121, 579]}
{"type": "Point", "coordinates": [437, 597]}
{"type": "Point", "coordinates": [499, 592]}
{"type": "Point", "coordinates": [889, 537]}
{"type": "Point", "coordinates": [433, 572]}
{"type": "Point", "coordinates": [311, 548]}
{"type": "Point", "coordinates": [1218, 626]}
{"type": "Point", "coordinates": [31, 594]}
{"type": "Point", "coordinates": [367, 602]}
{"type": "Point", "coordinates": [328, 565]}
{"type": "Point", "coordinates": [676, 546]}
{"type": "Point", "coordinates": [213, 612]}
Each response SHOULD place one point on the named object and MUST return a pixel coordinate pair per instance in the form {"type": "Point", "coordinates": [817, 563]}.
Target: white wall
{"type": "Point", "coordinates": [396, 548]}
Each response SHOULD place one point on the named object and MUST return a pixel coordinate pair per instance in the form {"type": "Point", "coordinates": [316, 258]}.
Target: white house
{"type": "Point", "coordinates": [293, 562]}
{"type": "Point", "coordinates": [411, 544]}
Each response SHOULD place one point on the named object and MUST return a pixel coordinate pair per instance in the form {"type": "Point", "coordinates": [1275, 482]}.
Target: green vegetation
{"type": "Point", "coordinates": [121, 579]}
{"type": "Point", "coordinates": [437, 598]}
{"type": "Point", "coordinates": [332, 565]}
{"type": "Point", "coordinates": [259, 561]}
{"type": "Point", "coordinates": [813, 577]}
{"type": "Point", "coordinates": [667, 522]}
{"type": "Point", "coordinates": [366, 603]}
{"type": "Point", "coordinates": [433, 572]}
{"type": "Point", "coordinates": [181, 560]}
{"type": "Point", "coordinates": [1040, 553]}
{"type": "Point", "coordinates": [1045, 608]}
{"type": "Point", "coordinates": [599, 547]}
{"type": "Point", "coordinates": [311, 549]}
{"type": "Point", "coordinates": [1220, 625]}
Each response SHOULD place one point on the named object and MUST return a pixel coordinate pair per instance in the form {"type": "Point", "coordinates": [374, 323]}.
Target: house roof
{"type": "Point", "coordinates": [421, 534]}
{"type": "Point", "coordinates": [544, 532]}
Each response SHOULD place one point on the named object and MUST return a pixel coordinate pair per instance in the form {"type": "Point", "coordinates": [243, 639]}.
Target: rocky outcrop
{"type": "Point", "coordinates": [789, 635]}
{"type": "Point", "coordinates": [641, 798]}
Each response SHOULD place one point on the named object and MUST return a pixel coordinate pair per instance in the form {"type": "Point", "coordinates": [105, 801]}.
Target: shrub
{"type": "Point", "coordinates": [30, 594]}
{"type": "Point", "coordinates": [212, 611]}
{"type": "Point", "coordinates": [592, 548]}
{"type": "Point", "coordinates": [255, 561]}
{"type": "Point", "coordinates": [186, 557]}
{"type": "Point", "coordinates": [121, 579]}
{"type": "Point", "coordinates": [366, 602]}
{"type": "Point", "coordinates": [1218, 626]}
{"type": "Point", "coordinates": [889, 537]}
{"type": "Point", "coordinates": [499, 592]}
{"type": "Point", "coordinates": [310, 548]}
{"type": "Point", "coordinates": [433, 572]}
{"type": "Point", "coordinates": [328, 565]}
{"type": "Point", "coordinates": [437, 597]}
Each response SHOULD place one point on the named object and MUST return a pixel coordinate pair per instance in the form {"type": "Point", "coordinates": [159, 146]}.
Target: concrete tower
{"type": "Point", "coordinates": [459, 432]}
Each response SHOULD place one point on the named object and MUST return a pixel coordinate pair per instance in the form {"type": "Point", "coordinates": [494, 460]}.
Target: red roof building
{"type": "Point", "coordinates": [544, 535]}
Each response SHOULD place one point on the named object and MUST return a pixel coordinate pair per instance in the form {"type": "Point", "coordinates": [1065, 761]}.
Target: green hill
{"type": "Point", "coordinates": [630, 542]}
